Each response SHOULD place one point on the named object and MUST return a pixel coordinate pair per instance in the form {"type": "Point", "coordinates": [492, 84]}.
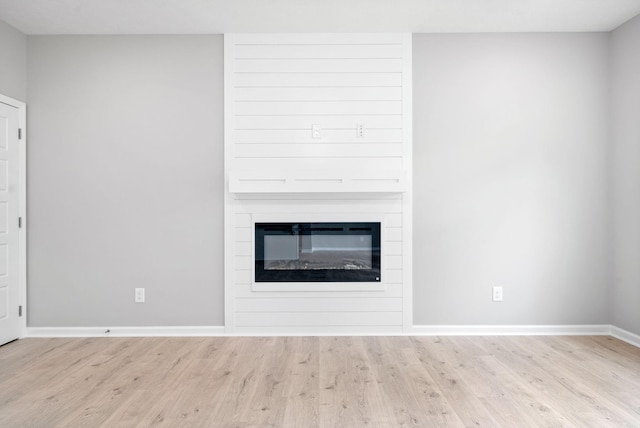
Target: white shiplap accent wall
{"type": "Point", "coordinates": [277, 86]}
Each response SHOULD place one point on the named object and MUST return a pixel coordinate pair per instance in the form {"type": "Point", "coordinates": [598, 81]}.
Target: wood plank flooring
{"type": "Point", "coordinates": [503, 381]}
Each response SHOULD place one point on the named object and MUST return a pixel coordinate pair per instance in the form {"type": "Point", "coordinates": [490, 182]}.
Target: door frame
{"type": "Point", "coordinates": [22, 208]}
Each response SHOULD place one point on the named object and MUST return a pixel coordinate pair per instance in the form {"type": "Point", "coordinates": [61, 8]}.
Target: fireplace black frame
{"type": "Point", "coordinates": [371, 229]}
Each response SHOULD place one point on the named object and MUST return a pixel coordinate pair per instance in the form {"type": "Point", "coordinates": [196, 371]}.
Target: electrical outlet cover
{"type": "Point", "coordinates": [139, 295]}
{"type": "Point", "coordinates": [497, 294]}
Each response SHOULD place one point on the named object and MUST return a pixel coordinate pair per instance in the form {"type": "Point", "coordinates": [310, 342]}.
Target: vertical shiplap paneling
{"type": "Point", "coordinates": [277, 87]}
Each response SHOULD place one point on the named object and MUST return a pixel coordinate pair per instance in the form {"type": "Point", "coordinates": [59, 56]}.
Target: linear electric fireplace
{"type": "Point", "coordinates": [317, 252]}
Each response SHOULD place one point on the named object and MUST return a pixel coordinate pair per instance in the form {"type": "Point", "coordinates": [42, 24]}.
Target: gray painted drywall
{"type": "Point", "coordinates": [125, 182]}
{"type": "Point", "coordinates": [625, 175]}
{"type": "Point", "coordinates": [13, 65]}
{"type": "Point", "coordinates": [125, 179]}
{"type": "Point", "coordinates": [510, 182]}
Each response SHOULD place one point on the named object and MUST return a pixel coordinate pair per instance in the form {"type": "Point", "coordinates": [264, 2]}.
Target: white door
{"type": "Point", "coordinates": [9, 209]}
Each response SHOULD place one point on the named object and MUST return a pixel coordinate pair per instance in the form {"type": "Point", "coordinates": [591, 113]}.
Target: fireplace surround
{"type": "Point", "coordinates": [317, 132]}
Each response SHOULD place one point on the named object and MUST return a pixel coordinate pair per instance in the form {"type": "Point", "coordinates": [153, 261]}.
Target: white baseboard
{"type": "Point", "coordinates": [506, 330]}
{"type": "Point", "coordinates": [625, 336]}
{"type": "Point", "coordinates": [416, 330]}
{"type": "Point", "coordinates": [125, 331]}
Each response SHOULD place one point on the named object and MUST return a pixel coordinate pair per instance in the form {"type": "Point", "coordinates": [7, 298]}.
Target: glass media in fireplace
{"type": "Point", "coordinates": [317, 252]}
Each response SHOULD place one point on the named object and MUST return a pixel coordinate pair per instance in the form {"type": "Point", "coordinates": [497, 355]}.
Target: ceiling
{"type": "Point", "coordinates": [229, 16]}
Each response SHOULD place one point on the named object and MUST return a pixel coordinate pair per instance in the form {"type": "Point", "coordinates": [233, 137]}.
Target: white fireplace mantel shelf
{"type": "Point", "coordinates": [392, 181]}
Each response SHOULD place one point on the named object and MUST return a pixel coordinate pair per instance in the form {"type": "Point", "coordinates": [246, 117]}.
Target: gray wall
{"type": "Point", "coordinates": [125, 180]}
{"type": "Point", "coordinates": [13, 66]}
{"type": "Point", "coordinates": [510, 152]}
{"type": "Point", "coordinates": [625, 175]}
{"type": "Point", "coordinates": [510, 144]}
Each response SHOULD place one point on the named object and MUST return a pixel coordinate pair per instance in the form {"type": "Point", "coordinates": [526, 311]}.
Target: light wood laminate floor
{"type": "Point", "coordinates": [586, 381]}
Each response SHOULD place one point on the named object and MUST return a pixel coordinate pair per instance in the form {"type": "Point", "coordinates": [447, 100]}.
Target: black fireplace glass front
{"type": "Point", "coordinates": [317, 252]}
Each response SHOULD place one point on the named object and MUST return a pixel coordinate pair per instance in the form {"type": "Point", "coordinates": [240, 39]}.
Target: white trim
{"type": "Point", "coordinates": [333, 181]}
{"type": "Point", "coordinates": [320, 331]}
{"type": "Point", "coordinates": [303, 287]}
{"type": "Point", "coordinates": [196, 331]}
{"type": "Point", "coordinates": [316, 286]}
{"type": "Point", "coordinates": [625, 336]}
{"type": "Point", "coordinates": [509, 330]}
{"type": "Point", "coordinates": [407, 197]}
{"type": "Point", "coordinates": [301, 217]}
{"type": "Point", "coordinates": [22, 208]}
{"type": "Point", "coordinates": [229, 242]}
{"type": "Point", "coordinates": [419, 330]}
{"type": "Point", "coordinates": [11, 101]}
